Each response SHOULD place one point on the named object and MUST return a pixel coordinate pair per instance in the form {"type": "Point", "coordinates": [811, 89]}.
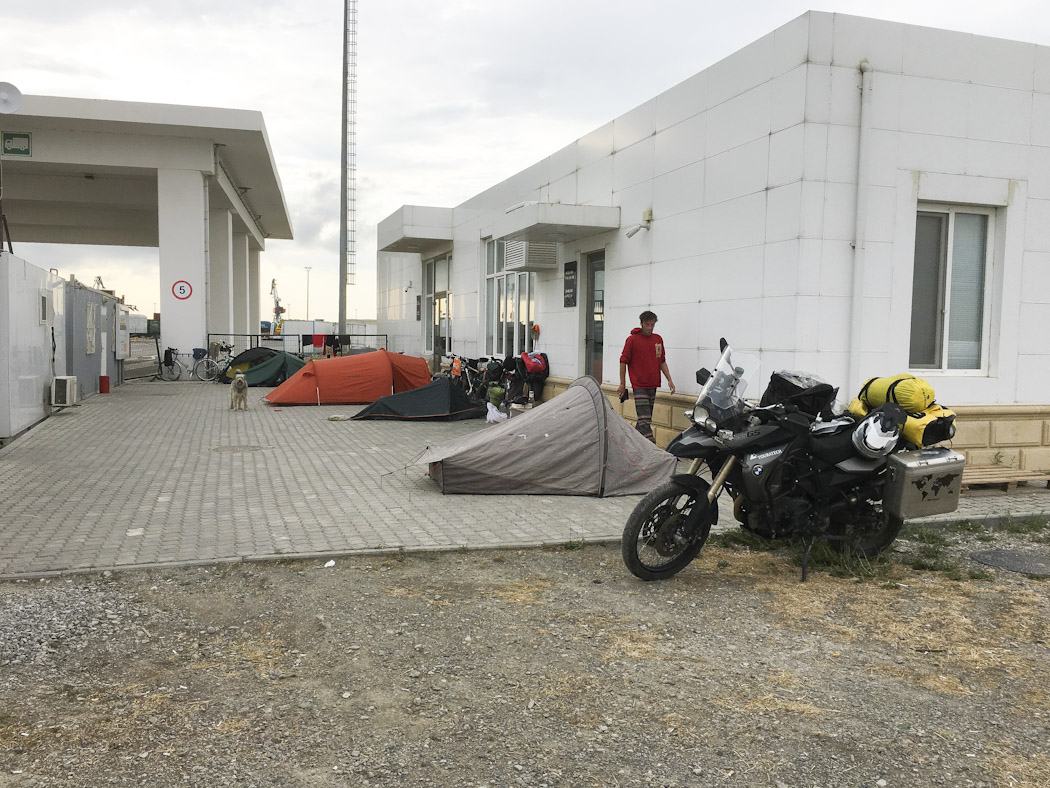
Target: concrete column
{"type": "Point", "coordinates": [240, 285]}
{"type": "Point", "coordinates": [220, 283]}
{"type": "Point", "coordinates": [182, 205]}
{"type": "Point", "coordinates": [254, 313]}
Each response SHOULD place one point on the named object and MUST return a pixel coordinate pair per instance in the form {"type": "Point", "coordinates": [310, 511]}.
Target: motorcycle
{"type": "Point", "coordinates": [792, 469]}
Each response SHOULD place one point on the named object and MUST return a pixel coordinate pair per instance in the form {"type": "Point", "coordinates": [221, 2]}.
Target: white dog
{"type": "Point", "coordinates": [239, 393]}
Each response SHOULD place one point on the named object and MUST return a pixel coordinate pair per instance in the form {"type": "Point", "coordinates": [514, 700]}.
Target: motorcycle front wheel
{"type": "Point", "coordinates": [657, 541]}
{"type": "Point", "coordinates": [866, 534]}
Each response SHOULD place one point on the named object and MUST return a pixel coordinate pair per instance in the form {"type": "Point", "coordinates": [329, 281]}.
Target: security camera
{"type": "Point", "coordinates": [634, 231]}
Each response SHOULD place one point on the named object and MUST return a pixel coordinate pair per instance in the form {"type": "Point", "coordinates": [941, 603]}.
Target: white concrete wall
{"type": "Point", "coordinates": [182, 206]}
{"type": "Point", "coordinates": [396, 302]}
{"type": "Point", "coordinates": [25, 343]}
{"type": "Point", "coordinates": [220, 271]}
{"type": "Point", "coordinates": [751, 169]}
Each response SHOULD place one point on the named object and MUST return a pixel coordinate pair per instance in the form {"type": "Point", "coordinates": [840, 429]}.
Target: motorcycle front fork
{"type": "Point", "coordinates": [716, 487]}
{"type": "Point", "coordinates": [720, 477]}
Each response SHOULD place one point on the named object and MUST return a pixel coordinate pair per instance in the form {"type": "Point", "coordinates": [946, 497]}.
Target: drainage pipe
{"type": "Point", "coordinates": [860, 221]}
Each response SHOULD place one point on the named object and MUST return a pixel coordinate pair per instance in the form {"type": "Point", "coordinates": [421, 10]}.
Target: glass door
{"type": "Point", "coordinates": [441, 326]}
{"type": "Point", "coordinates": [594, 335]}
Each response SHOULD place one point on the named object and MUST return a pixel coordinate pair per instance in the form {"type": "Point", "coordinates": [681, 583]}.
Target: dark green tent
{"type": "Point", "coordinates": [247, 359]}
{"type": "Point", "coordinates": [274, 370]}
{"type": "Point", "coordinates": [439, 400]}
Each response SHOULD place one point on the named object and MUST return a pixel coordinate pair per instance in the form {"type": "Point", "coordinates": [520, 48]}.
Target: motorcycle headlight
{"type": "Point", "coordinates": [702, 418]}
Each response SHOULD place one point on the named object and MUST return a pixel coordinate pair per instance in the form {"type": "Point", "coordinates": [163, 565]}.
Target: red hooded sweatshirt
{"type": "Point", "coordinates": [643, 356]}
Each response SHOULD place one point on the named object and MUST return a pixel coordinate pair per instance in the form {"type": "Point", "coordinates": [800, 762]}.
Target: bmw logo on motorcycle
{"type": "Point", "coordinates": [757, 470]}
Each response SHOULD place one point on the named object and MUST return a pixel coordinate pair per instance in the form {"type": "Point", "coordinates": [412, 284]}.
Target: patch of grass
{"type": "Point", "coordinates": [573, 544]}
{"type": "Point", "coordinates": [843, 565]}
{"type": "Point", "coordinates": [985, 537]}
{"type": "Point", "coordinates": [965, 527]}
{"type": "Point", "coordinates": [924, 534]}
{"type": "Point", "coordinates": [1027, 525]}
{"type": "Point", "coordinates": [981, 574]}
{"type": "Point", "coordinates": [737, 538]}
{"type": "Point", "coordinates": [931, 558]}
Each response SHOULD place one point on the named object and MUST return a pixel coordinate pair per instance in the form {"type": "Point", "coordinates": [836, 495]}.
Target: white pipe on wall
{"type": "Point", "coordinates": [860, 225]}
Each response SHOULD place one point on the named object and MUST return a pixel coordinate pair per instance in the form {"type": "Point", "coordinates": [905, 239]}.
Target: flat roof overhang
{"type": "Point", "coordinates": [555, 222]}
{"type": "Point", "coordinates": [415, 229]}
{"type": "Point", "coordinates": [92, 177]}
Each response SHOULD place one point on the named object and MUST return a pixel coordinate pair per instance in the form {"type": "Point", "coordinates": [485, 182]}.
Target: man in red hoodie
{"type": "Point", "coordinates": [643, 354]}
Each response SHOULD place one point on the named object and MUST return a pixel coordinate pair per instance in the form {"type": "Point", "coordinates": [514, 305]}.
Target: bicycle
{"type": "Point", "coordinates": [168, 366]}
{"type": "Point", "coordinates": [469, 375]}
{"type": "Point", "coordinates": [207, 368]}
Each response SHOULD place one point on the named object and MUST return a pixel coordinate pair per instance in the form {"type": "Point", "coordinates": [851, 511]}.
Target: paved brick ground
{"type": "Point", "coordinates": [164, 473]}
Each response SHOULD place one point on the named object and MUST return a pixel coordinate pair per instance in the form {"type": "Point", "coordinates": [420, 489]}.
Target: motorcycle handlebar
{"type": "Point", "coordinates": [763, 415]}
{"type": "Point", "coordinates": [772, 412]}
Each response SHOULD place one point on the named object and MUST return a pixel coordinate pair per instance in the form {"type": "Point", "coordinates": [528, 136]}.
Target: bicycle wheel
{"type": "Point", "coordinates": [206, 369]}
{"type": "Point", "coordinates": [172, 372]}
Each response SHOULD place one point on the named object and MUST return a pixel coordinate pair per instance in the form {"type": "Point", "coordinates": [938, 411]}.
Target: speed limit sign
{"type": "Point", "coordinates": [182, 290]}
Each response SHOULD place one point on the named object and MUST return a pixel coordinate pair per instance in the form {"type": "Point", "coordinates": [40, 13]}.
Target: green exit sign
{"type": "Point", "coordinates": [16, 143]}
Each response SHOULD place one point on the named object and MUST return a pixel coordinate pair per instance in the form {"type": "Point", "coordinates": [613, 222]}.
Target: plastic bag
{"type": "Point", "coordinates": [494, 415]}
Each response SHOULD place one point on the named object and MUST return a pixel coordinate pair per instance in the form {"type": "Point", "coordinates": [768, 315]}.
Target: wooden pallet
{"type": "Point", "coordinates": [1005, 479]}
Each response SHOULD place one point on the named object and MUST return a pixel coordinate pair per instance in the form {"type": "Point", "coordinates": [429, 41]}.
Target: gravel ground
{"type": "Point", "coordinates": [534, 668]}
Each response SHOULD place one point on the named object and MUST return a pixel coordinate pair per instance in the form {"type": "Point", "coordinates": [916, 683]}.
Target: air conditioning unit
{"type": "Point", "coordinates": [530, 256]}
{"type": "Point", "coordinates": [64, 391]}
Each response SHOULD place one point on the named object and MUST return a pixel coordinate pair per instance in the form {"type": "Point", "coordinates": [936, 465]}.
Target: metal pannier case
{"type": "Point", "coordinates": [923, 482]}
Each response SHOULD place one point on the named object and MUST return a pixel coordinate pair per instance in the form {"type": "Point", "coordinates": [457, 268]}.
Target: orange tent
{"type": "Point", "coordinates": [350, 380]}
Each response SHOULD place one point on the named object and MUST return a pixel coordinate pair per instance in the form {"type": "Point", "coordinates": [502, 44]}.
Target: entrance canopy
{"type": "Point", "coordinates": [89, 173]}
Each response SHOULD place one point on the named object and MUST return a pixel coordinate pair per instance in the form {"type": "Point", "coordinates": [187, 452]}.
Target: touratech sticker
{"type": "Point", "coordinates": [764, 455]}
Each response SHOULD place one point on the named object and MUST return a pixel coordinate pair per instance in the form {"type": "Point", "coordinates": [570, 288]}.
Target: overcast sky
{"type": "Point", "coordinates": [453, 95]}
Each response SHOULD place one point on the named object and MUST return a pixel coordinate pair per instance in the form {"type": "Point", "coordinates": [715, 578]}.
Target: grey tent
{"type": "Point", "coordinates": [574, 444]}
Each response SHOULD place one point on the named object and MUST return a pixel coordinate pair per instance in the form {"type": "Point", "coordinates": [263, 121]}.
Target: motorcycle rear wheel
{"type": "Point", "coordinates": [657, 543]}
{"type": "Point", "coordinates": [865, 535]}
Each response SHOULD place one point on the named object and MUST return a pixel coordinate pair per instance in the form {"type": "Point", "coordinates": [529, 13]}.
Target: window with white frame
{"type": "Point", "coordinates": [510, 305]}
{"type": "Point", "coordinates": [950, 294]}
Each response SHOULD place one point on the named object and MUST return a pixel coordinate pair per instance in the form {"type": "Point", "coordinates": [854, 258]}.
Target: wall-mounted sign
{"type": "Point", "coordinates": [570, 283]}
{"type": "Point", "coordinates": [122, 346]}
{"type": "Point", "coordinates": [182, 290]}
{"type": "Point", "coordinates": [16, 143]}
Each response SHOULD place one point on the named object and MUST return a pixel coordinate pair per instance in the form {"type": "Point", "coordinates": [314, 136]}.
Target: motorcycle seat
{"type": "Point", "coordinates": [833, 441]}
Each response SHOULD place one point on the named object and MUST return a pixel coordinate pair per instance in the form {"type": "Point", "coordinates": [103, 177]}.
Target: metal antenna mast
{"type": "Point", "coordinates": [348, 203]}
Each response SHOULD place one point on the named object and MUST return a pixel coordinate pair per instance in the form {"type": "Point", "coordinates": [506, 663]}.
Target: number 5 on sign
{"type": "Point", "coordinates": [182, 290]}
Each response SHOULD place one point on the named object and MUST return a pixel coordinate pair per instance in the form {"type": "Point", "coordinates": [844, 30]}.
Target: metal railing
{"type": "Point", "coordinates": [142, 362]}
{"type": "Point", "coordinates": [298, 344]}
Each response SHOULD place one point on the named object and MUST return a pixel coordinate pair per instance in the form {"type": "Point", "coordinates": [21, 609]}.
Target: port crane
{"type": "Point", "coordinates": [278, 310]}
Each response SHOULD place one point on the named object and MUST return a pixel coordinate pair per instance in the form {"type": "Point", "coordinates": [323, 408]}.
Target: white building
{"type": "Point", "coordinates": [845, 196]}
